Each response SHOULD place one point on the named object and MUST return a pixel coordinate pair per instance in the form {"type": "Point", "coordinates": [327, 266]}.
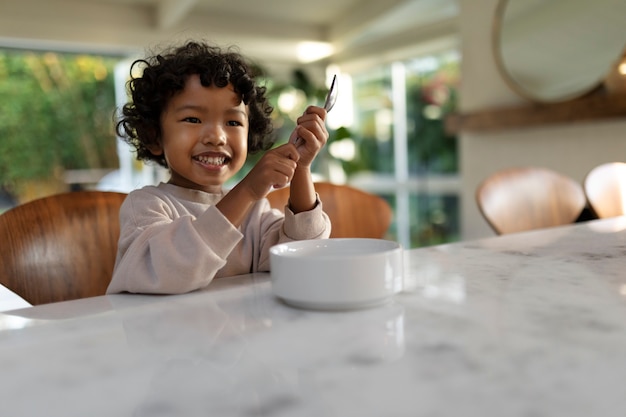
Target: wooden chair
{"type": "Point", "coordinates": [605, 189]}
{"type": "Point", "coordinates": [526, 198]}
{"type": "Point", "coordinates": [60, 247]}
{"type": "Point", "coordinates": [352, 212]}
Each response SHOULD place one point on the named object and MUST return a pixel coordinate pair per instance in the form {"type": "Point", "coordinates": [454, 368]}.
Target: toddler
{"type": "Point", "coordinates": [197, 110]}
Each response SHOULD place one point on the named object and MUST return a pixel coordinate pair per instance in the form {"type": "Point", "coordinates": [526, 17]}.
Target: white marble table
{"type": "Point", "coordinates": [532, 324]}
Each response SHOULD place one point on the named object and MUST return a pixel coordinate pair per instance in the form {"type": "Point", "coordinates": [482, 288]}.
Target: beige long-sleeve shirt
{"type": "Point", "coordinates": [174, 240]}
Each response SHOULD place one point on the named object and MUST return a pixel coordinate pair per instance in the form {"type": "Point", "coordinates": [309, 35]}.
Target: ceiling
{"type": "Point", "coordinates": [267, 30]}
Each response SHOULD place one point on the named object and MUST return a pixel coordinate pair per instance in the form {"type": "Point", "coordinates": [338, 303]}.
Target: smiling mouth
{"type": "Point", "coordinates": [212, 160]}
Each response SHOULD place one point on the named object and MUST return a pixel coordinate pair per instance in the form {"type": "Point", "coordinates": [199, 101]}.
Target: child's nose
{"type": "Point", "coordinates": [213, 134]}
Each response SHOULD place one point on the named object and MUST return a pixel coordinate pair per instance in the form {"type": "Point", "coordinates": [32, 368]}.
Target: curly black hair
{"type": "Point", "coordinates": [165, 74]}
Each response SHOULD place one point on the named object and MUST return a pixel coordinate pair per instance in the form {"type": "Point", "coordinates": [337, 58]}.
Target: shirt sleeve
{"type": "Point", "coordinates": [312, 224]}
{"type": "Point", "coordinates": [161, 253]}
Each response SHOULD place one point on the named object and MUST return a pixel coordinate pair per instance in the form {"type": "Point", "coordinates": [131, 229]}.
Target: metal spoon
{"type": "Point", "coordinates": [329, 102]}
{"type": "Point", "coordinates": [331, 97]}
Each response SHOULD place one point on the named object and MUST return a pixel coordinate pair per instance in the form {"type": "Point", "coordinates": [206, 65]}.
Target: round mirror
{"type": "Point", "coordinates": [557, 50]}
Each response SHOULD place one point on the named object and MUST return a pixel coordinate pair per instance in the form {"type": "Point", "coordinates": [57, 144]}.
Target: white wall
{"type": "Point", "coordinates": [572, 149]}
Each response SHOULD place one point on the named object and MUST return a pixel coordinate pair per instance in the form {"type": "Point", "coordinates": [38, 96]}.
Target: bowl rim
{"type": "Point", "coordinates": [275, 250]}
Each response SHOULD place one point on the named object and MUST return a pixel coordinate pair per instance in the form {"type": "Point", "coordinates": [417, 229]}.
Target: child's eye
{"type": "Point", "coordinates": [234, 123]}
{"type": "Point", "coordinates": [191, 119]}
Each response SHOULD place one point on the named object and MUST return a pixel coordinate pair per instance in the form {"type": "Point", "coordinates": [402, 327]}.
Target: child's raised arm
{"type": "Point", "coordinates": [311, 135]}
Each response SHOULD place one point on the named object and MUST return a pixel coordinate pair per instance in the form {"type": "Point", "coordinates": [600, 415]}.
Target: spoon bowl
{"type": "Point", "coordinates": [331, 97]}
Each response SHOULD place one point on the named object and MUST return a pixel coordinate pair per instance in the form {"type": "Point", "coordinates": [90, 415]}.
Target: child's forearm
{"type": "Point", "coordinates": [235, 205]}
{"type": "Point", "coordinates": [302, 191]}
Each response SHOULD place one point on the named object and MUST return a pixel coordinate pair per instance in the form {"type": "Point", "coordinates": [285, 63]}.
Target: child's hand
{"type": "Point", "coordinates": [310, 135]}
{"type": "Point", "coordinates": [275, 169]}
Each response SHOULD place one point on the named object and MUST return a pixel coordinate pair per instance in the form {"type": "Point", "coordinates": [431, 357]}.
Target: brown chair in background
{"type": "Point", "coordinates": [526, 198]}
{"type": "Point", "coordinates": [605, 189]}
{"type": "Point", "coordinates": [60, 247]}
{"type": "Point", "coordinates": [353, 213]}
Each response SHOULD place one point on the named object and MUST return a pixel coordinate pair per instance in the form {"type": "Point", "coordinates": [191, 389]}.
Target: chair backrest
{"type": "Point", "coordinates": [525, 198]}
{"type": "Point", "coordinates": [352, 212]}
{"type": "Point", "coordinates": [605, 189]}
{"type": "Point", "coordinates": [60, 247]}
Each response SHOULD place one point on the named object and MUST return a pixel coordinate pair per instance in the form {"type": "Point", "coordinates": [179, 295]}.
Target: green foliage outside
{"type": "Point", "coordinates": [431, 96]}
{"type": "Point", "coordinates": [57, 113]}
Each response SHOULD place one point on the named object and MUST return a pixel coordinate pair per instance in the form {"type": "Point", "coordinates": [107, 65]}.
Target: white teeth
{"type": "Point", "coordinates": [212, 160]}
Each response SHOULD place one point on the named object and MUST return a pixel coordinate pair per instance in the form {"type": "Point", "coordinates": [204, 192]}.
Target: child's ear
{"type": "Point", "coordinates": [155, 149]}
{"type": "Point", "coordinates": [155, 145]}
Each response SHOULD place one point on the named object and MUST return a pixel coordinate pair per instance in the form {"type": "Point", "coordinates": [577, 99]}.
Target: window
{"type": "Point", "coordinates": [56, 122]}
{"type": "Point", "coordinates": [400, 148]}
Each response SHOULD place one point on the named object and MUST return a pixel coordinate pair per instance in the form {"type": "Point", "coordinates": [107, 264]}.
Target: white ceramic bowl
{"type": "Point", "coordinates": [332, 274]}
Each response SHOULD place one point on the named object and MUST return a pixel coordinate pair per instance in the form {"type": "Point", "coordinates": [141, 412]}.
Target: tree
{"type": "Point", "coordinates": [57, 114]}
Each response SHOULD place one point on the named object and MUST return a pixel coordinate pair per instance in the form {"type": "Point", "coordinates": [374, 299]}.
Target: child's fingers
{"type": "Point", "coordinates": [319, 111]}
{"type": "Point", "coordinates": [313, 123]}
{"type": "Point", "coordinates": [288, 150]}
{"type": "Point", "coordinates": [312, 114]}
{"type": "Point", "coordinates": [313, 133]}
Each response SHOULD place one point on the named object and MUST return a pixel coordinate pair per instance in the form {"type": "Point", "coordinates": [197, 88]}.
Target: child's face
{"type": "Point", "coordinates": [205, 136]}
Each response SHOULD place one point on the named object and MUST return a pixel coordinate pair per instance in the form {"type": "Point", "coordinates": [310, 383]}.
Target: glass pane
{"type": "Point", "coordinates": [56, 123]}
{"type": "Point", "coordinates": [431, 94]}
{"type": "Point", "coordinates": [426, 206]}
{"type": "Point", "coordinates": [373, 131]}
{"type": "Point", "coordinates": [434, 218]}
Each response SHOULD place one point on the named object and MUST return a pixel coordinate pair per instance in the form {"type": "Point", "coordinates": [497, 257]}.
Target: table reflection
{"type": "Point", "coordinates": [231, 346]}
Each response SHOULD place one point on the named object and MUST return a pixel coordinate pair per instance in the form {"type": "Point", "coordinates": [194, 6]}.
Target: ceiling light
{"type": "Point", "coordinates": [313, 51]}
